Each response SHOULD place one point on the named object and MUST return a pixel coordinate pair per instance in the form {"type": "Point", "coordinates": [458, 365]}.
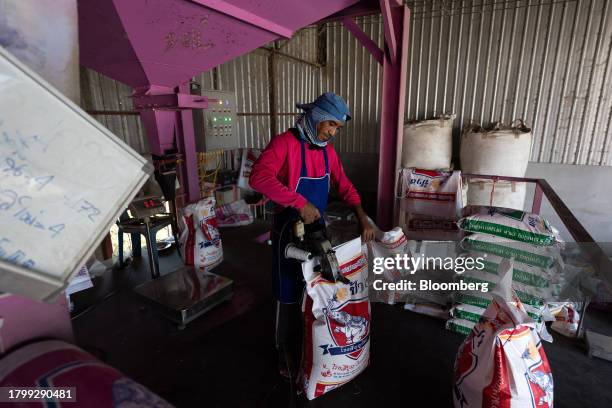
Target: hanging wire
{"type": "Point", "coordinates": [209, 164]}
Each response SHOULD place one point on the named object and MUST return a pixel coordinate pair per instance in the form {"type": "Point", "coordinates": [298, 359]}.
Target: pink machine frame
{"type": "Point", "coordinates": [157, 46]}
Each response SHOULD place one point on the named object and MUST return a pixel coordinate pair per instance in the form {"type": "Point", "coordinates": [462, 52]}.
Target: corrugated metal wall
{"type": "Point", "coordinates": [248, 77]}
{"type": "Point", "coordinates": [298, 78]}
{"type": "Point", "coordinates": [296, 81]}
{"type": "Point", "coordinates": [353, 73]}
{"type": "Point", "coordinates": [349, 71]}
{"type": "Point", "coordinates": [547, 62]}
{"type": "Point", "coordinates": [100, 93]}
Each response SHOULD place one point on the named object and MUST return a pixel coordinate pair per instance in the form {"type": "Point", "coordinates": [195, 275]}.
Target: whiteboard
{"type": "Point", "coordinates": [64, 180]}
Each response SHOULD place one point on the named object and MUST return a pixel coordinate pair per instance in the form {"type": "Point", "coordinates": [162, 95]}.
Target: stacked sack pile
{"type": "Point", "coordinates": [502, 150]}
{"type": "Point", "coordinates": [430, 193]}
{"type": "Point", "coordinates": [430, 197]}
{"type": "Point", "coordinates": [497, 234]}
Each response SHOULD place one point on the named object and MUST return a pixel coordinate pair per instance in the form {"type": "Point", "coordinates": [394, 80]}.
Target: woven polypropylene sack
{"type": "Point", "coordinates": [336, 323]}
{"type": "Point", "coordinates": [502, 362]}
{"type": "Point", "coordinates": [428, 144]}
{"type": "Point", "coordinates": [200, 240]}
{"type": "Point", "coordinates": [501, 151]}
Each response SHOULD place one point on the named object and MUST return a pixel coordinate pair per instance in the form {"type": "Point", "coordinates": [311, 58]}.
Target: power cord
{"type": "Point", "coordinates": [292, 391]}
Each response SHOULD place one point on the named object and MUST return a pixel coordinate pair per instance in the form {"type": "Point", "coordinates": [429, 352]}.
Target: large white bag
{"type": "Point", "coordinates": [336, 323]}
{"type": "Point", "coordinates": [502, 363]}
{"type": "Point", "coordinates": [200, 240]}
{"type": "Point", "coordinates": [428, 144]}
{"type": "Point", "coordinates": [501, 193]}
{"type": "Point", "coordinates": [501, 151]}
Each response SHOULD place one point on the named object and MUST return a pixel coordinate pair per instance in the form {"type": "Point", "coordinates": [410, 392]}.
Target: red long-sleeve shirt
{"type": "Point", "coordinates": [276, 172]}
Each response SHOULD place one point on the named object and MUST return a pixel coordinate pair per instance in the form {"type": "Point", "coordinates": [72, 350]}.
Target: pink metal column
{"type": "Point", "coordinates": [187, 147]}
{"type": "Point", "coordinates": [168, 119]}
{"type": "Point", "coordinates": [395, 67]}
{"type": "Point", "coordinates": [160, 126]}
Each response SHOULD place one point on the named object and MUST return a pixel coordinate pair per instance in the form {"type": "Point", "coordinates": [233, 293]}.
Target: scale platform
{"type": "Point", "coordinates": [185, 294]}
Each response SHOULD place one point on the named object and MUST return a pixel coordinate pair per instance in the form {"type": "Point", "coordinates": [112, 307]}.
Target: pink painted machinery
{"type": "Point", "coordinates": [157, 46]}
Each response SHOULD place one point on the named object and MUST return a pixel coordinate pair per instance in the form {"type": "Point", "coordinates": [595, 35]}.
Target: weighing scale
{"type": "Point", "coordinates": [187, 292]}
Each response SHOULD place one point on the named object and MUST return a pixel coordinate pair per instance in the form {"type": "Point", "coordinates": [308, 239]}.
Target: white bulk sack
{"type": "Point", "coordinates": [502, 193]}
{"type": "Point", "coordinates": [200, 240]}
{"type": "Point", "coordinates": [502, 151]}
{"type": "Point", "coordinates": [428, 144]}
{"type": "Point", "coordinates": [336, 323]}
{"type": "Point", "coordinates": [502, 362]}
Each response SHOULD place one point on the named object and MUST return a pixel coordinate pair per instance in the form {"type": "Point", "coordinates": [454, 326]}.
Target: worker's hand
{"type": "Point", "coordinates": [368, 230]}
{"type": "Point", "coordinates": [309, 213]}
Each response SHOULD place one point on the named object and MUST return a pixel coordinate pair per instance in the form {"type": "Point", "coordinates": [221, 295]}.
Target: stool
{"type": "Point", "coordinates": [147, 227]}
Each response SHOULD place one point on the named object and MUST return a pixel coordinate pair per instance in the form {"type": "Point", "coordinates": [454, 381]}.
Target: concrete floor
{"type": "Point", "coordinates": [226, 358]}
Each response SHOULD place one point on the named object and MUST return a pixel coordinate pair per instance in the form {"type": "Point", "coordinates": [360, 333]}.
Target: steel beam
{"type": "Point", "coordinates": [391, 32]}
{"type": "Point", "coordinates": [363, 38]}
{"type": "Point", "coordinates": [170, 101]}
{"type": "Point", "coordinates": [392, 115]}
{"type": "Point", "coordinates": [187, 147]}
{"type": "Point", "coordinates": [246, 16]}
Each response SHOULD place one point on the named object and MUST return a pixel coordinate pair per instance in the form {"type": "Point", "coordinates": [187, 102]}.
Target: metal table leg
{"type": "Point", "coordinates": [153, 262]}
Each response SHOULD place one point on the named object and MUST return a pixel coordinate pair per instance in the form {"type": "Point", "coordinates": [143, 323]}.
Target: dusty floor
{"type": "Point", "coordinates": [226, 358]}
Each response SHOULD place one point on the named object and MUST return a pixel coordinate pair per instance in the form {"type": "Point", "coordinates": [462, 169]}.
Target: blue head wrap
{"type": "Point", "coordinates": [328, 106]}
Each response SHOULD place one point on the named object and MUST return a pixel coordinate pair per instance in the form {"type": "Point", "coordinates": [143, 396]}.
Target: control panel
{"type": "Point", "coordinates": [220, 127]}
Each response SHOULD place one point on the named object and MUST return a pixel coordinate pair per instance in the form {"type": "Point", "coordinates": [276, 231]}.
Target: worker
{"type": "Point", "coordinates": [295, 171]}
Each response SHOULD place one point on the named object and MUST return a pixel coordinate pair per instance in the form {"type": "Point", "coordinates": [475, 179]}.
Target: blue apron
{"type": "Point", "coordinates": [287, 279]}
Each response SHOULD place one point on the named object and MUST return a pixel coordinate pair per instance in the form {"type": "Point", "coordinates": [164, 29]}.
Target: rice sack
{"type": "Point", "coordinates": [336, 323]}
{"type": "Point", "coordinates": [502, 362]}
{"type": "Point", "coordinates": [510, 224]}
